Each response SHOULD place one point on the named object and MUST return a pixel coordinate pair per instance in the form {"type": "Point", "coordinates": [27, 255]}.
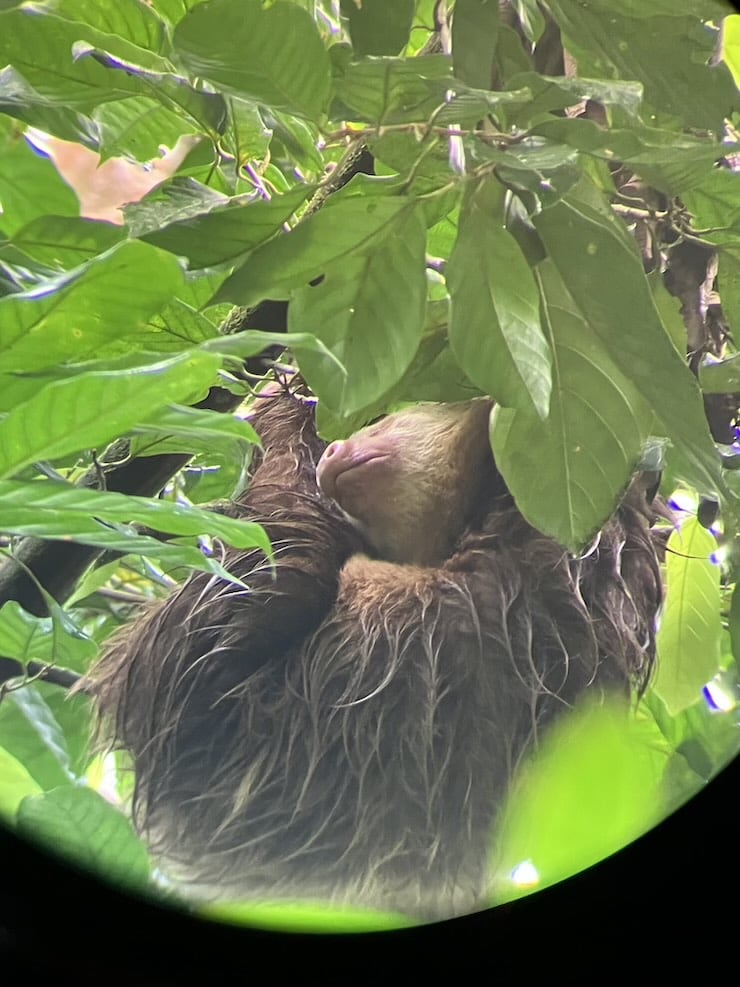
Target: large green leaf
{"type": "Point", "coordinates": [20, 100]}
{"type": "Point", "coordinates": [593, 787]}
{"type": "Point", "coordinates": [602, 271]}
{"type": "Point", "coordinates": [191, 430]}
{"type": "Point", "coordinates": [224, 234]}
{"type": "Point", "coordinates": [394, 90]}
{"type": "Point", "coordinates": [30, 731]}
{"type": "Point", "coordinates": [40, 46]}
{"type": "Point", "coordinates": [176, 328]}
{"type": "Point", "coordinates": [30, 185]}
{"type": "Point", "coordinates": [380, 27]}
{"type": "Point", "coordinates": [608, 42]}
{"type": "Point", "coordinates": [46, 507]}
{"type": "Point", "coordinates": [495, 330]}
{"type": "Point", "coordinates": [77, 314]}
{"type": "Point", "coordinates": [731, 45]}
{"type": "Point", "coordinates": [65, 242]}
{"type": "Point", "coordinates": [130, 20]}
{"type": "Point", "coordinates": [369, 312]}
{"type": "Point", "coordinates": [16, 783]}
{"type": "Point", "coordinates": [93, 408]}
{"type": "Point", "coordinates": [690, 626]}
{"type": "Point", "coordinates": [207, 110]}
{"type": "Point", "coordinates": [274, 55]}
{"type": "Point", "coordinates": [558, 92]}
{"type": "Point", "coordinates": [138, 127]}
{"type": "Point", "coordinates": [353, 225]}
{"type": "Point", "coordinates": [25, 637]}
{"type": "Point", "coordinates": [715, 206]}
{"type": "Point", "coordinates": [79, 823]}
{"type": "Point", "coordinates": [544, 169]}
{"type": "Point", "coordinates": [474, 37]}
{"type": "Point", "coordinates": [566, 473]}
{"type": "Point", "coordinates": [729, 279]}
{"type": "Point", "coordinates": [173, 557]}
{"type": "Point", "coordinates": [414, 90]}
{"type": "Point", "coordinates": [722, 377]}
{"type": "Point", "coordinates": [670, 161]}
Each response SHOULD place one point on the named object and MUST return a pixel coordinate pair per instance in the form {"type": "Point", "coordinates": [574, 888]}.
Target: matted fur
{"type": "Point", "coordinates": [347, 729]}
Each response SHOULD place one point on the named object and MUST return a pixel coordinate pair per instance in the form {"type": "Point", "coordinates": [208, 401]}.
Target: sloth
{"type": "Point", "coordinates": [345, 725]}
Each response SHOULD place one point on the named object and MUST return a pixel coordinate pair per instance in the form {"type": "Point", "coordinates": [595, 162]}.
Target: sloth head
{"type": "Point", "coordinates": [412, 482]}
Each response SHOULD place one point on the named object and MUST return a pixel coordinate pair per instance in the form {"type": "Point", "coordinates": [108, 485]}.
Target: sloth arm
{"type": "Point", "coordinates": [184, 653]}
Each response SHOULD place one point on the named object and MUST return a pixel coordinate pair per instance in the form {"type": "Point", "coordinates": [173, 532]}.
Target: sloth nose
{"type": "Point", "coordinates": [326, 471]}
{"type": "Point", "coordinates": [332, 449]}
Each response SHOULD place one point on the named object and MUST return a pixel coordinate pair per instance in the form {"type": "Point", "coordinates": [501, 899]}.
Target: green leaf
{"type": "Point", "coordinates": [475, 27]}
{"type": "Point", "coordinates": [395, 90]}
{"type": "Point", "coordinates": [603, 273]}
{"type": "Point", "coordinates": [26, 637]}
{"type": "Point", "coordinates": [137, 128]}
{"type": "Point", "coordinates": [715, 206]}
{"type": "Point", "coordinates": [288, 135]}
{"type": "Point", "coordinates": [592, 788]}
{"type": "Point", "coordinates": [21, 101]}
{"type": "Point", "coordinates": [731, 46]}
{"type": "Point", "coordinates": [30, 732]}
{"type": "Point", "coordinates": [181, 199]}
{"type": "Point", "coordinates": [45, 507]}
{"type": "Point", "coordinates": [77, 314]}
{"type": "Point", "coordinates": [546, 170]}
{"type": "Point", "coordinates": [722, 377]}
{"type": "Point", "coordinates": [734, 623]}
{"type": "Point", "coordinates": [557, 92]}
{"type": "Point", "coordinates": [30, 185]}
{"type": "Point", "coordinates": [729, 282]}
{"type": "Point", "coordinates": [64, 242]}
{"type": "Point", "coordinates": [40, 46]}
{"type": "Point", "coordinates": [531, 19]}
{"type": "Point", "coordinates": [343, 228]}
{"type": "Point", "coordinates": [566, 473]}
{"type": "Point", "coordinates": [495, 330]}
{"type": "Point", "coordinates": [378, 27]}
{"type": "Point", "coordinates": [15, 785]}
{"type": "Point", "coordinates": [171, 556]}
{"type": "Point", "coordinates": [274, 55]}
{"type": "Point", "coordinates": [195, 430]}
{"type": "Point", "coordinates": [690, 626]}
{"type": "Point", "coordinates": [369, 312]}
{"type": "Point", "coordinates": [130, 20]}
{"type": "Point", "coordinates": [206, 110]}
{"type": "Point", "coordinates": [93, 408]}
{"type": "Point", "coordinates": [176, 328]}
{"type": "Point", "coordinates": [303, 917]}
{"type": "Point", "coordinates": [669, 161]}
{"type": "Point", "coordinates": [225, 233]}
{"type": "Point", "coordinates": [701, 95]}
{"type": "Point", "coordinates": [78, 823]}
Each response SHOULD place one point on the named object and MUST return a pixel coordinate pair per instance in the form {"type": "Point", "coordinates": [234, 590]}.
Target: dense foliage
{"type": "Point", "coordinates": [552, 217]}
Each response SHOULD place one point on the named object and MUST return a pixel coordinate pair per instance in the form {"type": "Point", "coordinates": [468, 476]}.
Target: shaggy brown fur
{"type": "Point", "coordinates": [346, 729]}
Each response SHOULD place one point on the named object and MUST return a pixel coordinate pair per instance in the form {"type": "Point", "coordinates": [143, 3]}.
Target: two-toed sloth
{"type": "Point", "coordinates": [346, 727]}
